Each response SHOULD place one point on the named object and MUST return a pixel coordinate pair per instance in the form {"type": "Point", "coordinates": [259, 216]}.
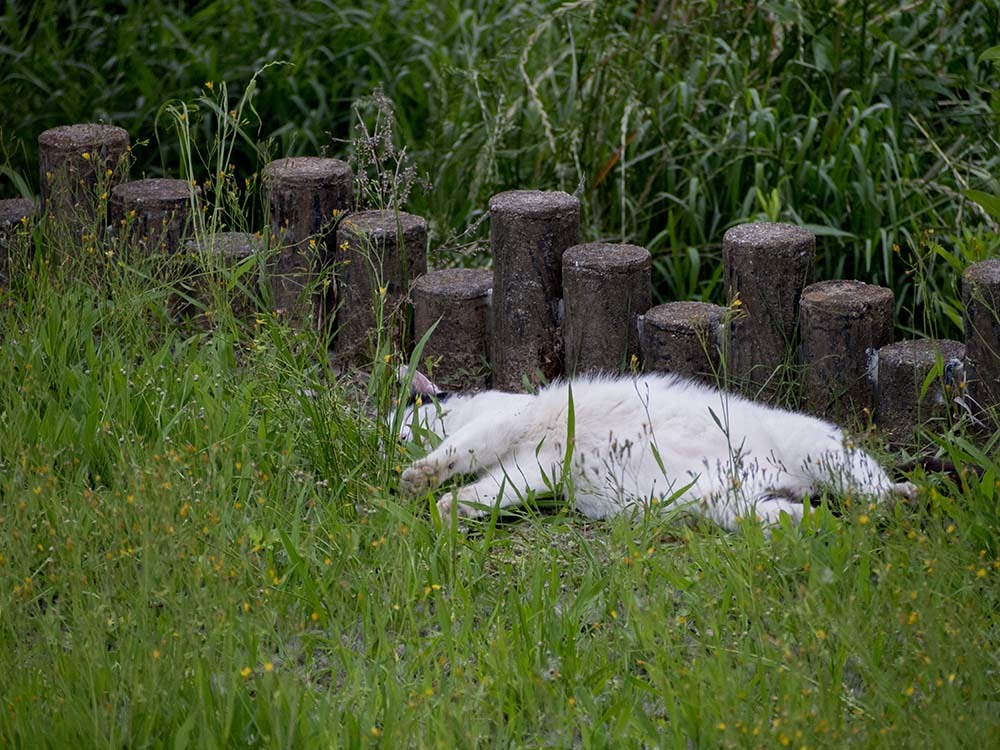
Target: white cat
{"type": "Point", "coordinates": [635, 440]}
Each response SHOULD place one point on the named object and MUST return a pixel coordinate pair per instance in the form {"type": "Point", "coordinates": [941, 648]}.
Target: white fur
{"type": "Point", "coordinates": [651, 438]}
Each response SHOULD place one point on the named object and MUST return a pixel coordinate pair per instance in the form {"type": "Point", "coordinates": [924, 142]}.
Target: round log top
{"type": "Point", "coordinates": [534, 203]}
{"type": "Point", "coordinates": [235, 245]}
{"type": "Point", "coordinates": [921, 352]}
{"type": "Point", "coordinates": [983, 272]}
{"type": "Point", "coordinates": [307, 170]}
{"type": "Point", "coordinates": [83, 137]}
{"type": "Point", "coordinates": [774, 237]}
{"type": "Point", "coordinates": [378, 223]}
{"type": "Point", "coordinates": [455, 283]}
{"type": "Point", "coordinates": [846, 297]}
{"type": "Point", "coordinates": [12, 210]}
{"type": "Point", "coordinates": [152, 191]}
{"type": "Point", "coordinates": [605, 256]}
{"type": "Point", "coordinates": [684, 313]}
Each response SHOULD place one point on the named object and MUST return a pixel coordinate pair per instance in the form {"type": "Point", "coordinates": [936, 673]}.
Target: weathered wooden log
{"type": "Point", "coordinates": [605, 288]}
{"type": "Point", "coordinates": [382, 253]}
{"type": "Point", "coordinates": [13, 213]}
{"type": "Point", "coordinates": [981, 298]}
{"type": "Point", "coordinates": [766, 267]}
{"type": "Point", "coordinates": [78, 164]}
{"type": "Point", "coordinates": [306, 194]}
{"type": "Point", "coordinates": [154, 213]}
{"type": "Point", "coordinates": [841, 326]}
{"type": "Point", "coordinates": [458, 301]}
{"type": "Point", "coordinates": [530, 230]}
{"type": "Point", "coordinates": [684, 338]}
{"type": "Point", "coordinates": [901, 372]}
{"type": "Point", "coordinates": [212, 284]}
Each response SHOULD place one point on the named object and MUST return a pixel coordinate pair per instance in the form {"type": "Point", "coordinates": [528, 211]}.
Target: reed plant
{"type": "Point", "coordinates": [864, 120]}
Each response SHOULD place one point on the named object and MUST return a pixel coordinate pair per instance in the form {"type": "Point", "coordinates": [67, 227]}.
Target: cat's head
{"type": "Point", "coordinates": [423, 412]}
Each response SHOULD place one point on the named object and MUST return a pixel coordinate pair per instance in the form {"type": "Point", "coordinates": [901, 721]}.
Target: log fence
{"type": "Point", "coordinates": [550, 306]}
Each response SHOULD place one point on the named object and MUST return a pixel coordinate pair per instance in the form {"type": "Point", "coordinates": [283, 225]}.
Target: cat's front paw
{"type": "Point", "coordinates": [419, 478]}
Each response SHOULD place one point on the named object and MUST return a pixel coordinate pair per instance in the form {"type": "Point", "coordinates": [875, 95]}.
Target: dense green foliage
{"type": "Point", "coordinates": [672, 120]}
{"type": "Point", "coordinates": [201, 544]}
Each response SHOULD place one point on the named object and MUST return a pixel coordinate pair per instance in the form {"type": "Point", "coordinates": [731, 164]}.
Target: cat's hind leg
{"type": "Point", "coordinates": [498, 487]}
{"type": "Point", "coordinates": [757, 498]}
{"type": "Point", "coordinates": [853, 471]}
{"type": "Point", "coordinates": [767, 509]}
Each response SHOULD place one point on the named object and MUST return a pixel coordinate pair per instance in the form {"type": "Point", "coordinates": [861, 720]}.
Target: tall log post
{"type": "Point", "coordinates": [457, 300]}
{"type": "Point", "coordinates": [76, 164]}
{"type": "Point", "coordinates": [766, 267]}
{"type": "Point", "coordinates": [902, 404]}
{"type": "Point", "coordinates": [154, 213]}
{"type": "Point", "coordinates": [14, 214]}
{"type": "Point", "coordinates": [380, 254]}
{"type": "Point", "coordinates": [605, 289]}
{"type": "Point", "coordinates": [685, 338]}
{"type": "Point", "coordinates": [211, 282]}
{"type": "Point", "coordinates": [306, 195]}
{"type": "Point", "coordinates": [529, 232]}
{"type": "Point", "coordinates": [981, 298]}
{"type": "Point", "coordinates": [842, 324]}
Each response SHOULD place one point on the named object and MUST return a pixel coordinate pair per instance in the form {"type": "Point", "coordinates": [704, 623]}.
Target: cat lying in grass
{"type": "Point", "coordinates": [611, 444]}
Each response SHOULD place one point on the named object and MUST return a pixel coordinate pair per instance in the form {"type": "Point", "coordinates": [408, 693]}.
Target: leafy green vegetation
{"type": "Point", "coordinates": [201, 543]}
{"type": "Point", "coordinates": [672, 120]}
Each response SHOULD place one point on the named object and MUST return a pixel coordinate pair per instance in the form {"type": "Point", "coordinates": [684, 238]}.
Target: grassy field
{"type": "Point", "coordinates": [195, 553]}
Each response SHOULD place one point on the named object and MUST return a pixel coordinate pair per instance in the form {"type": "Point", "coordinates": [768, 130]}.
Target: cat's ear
{"type": "Point", "coordinates": [420, 385]}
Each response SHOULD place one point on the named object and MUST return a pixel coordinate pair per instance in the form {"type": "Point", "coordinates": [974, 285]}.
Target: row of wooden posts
{"type": "Point", "coordinates": [551, 306]}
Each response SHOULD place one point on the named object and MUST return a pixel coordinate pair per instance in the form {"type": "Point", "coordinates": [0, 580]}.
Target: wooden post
{"type": "Point", "coordinates": [901, 370]}
{"type": "Point", "coordinates": [685, 338]}
{"type": "Point", "coordinates": [529, 231]}
{"type": "Point", "coordinates": [766, 267]}
{"type": "Point", "coordinates": [380, 254]}
{"type": "Point", "coordinates": [13, 211]}
{"type": "Point", "coordinates": [73, 160]}
{"type": "Point", "coordinates": [211, 282]}
{"type": "Point", "coordinates": [605, 289]}
{"type": "Point", "coordinates": [153, 212]}
{"type": "Point", "coordinates": [841, 325]}
{"type": "Point", "coordinates": [458, 300]}
{"type": "Point", "coordinates": [306, 194]}
{"type": "Point", "coordinates": [981, 298]}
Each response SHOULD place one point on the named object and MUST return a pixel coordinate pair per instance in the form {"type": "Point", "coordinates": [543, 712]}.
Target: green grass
{"type": "Point", "coordinates": [194, 553]}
